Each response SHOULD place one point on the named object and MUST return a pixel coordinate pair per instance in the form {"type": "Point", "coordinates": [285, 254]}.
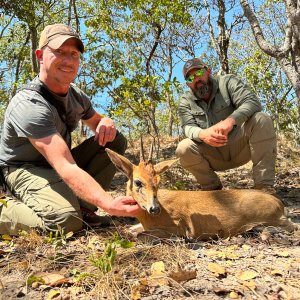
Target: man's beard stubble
{"type": "Point", "coordinates": [204, 90]}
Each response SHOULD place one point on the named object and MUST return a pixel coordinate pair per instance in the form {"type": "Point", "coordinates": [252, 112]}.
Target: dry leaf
{"type": "Point", "coordinates": [158, 268]}
{"type": "Point", "coordinates": [250, 284]}
{"type": "Point", "coordinates": [247, 275]}
{"type": "Point", "coordinates": [216, 268]}
{"type": "Point", "coordinates": [277, 272]}
{"type": "Point", "coordinates": [222, 254]}
{"type": "Point", "coordinates": [283, 254]}
{"type": "Point", "coordinates": [181, 275]}
{"type": "Point", "coordinates": [233, 295]}
{"type": "Point", "coordinates": [157, 281]}
{"type": "Point", "coordinates": [52, 279]}
{"type": "Point", "coordinates": [158, 275]}
{"type": "Point", "coordinates": [53, 294]}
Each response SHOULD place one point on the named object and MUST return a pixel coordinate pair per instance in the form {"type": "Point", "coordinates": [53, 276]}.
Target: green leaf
{"type": "Point", "coordinates": [3, 202]}
{"type": "Point", "coordinates": [33, 278]}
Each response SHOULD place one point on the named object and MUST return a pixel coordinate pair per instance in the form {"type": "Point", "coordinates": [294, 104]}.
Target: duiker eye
{"type": "Point", "coordinates": [138, 183]}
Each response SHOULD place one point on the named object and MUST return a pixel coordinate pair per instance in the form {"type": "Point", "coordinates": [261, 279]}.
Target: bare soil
{"type": "Point", "coordinates": [258, 264]}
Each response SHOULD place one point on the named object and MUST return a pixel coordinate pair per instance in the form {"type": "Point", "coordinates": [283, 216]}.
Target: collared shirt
{"type": "Point", "coordinates": [230, 98]}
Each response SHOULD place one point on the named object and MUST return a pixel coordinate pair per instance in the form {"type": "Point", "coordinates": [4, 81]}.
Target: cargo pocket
{"type": "Point", "coordinates": [42, 190]}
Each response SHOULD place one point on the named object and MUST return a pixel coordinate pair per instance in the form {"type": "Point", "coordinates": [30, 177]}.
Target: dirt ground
{"type": "Point", "coordinates": [109, 263]}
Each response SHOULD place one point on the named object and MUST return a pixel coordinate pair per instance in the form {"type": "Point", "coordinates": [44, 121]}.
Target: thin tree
{"type": "Point", "coordinates": [288, 53]}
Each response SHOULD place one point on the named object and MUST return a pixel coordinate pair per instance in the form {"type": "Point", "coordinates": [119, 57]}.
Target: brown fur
{"type": "Point", "coordinates": [197, 214]}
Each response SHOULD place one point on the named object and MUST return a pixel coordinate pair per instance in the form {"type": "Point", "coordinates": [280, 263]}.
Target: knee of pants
{"type": "Point", "coordinates": [260, 128]}
{"type": "Point", "coordinates": [185, 148]}
{"type": "Point", "coordinates": [119, 144]}
{"type": "Point", "coordinates": [67, 221]}
{"type": "Point", "coordinates": [263, 120]}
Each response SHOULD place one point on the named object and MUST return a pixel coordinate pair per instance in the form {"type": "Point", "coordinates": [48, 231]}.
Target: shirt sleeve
{"type": "Point", "coordinates": [33, 119]}
{"type": "Point", "coordinates": [189, 125]}
{"type": "Point", "coordinates": [245, 101]}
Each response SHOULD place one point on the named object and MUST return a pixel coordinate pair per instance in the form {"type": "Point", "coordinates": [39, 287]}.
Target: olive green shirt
{"type": "Point", "coordinates": [230, 98]}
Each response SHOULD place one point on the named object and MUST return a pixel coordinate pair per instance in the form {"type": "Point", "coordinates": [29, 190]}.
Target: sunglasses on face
{"type": "Point", "coordinates": [198, 73]}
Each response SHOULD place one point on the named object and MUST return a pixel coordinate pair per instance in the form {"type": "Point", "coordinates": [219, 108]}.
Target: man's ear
{"type": "Point", "coordinates": [39, 54]}
{"type": "Point", "coordinates": [209, 71]}
{"type": "Point", "coordinates": [188, 84]}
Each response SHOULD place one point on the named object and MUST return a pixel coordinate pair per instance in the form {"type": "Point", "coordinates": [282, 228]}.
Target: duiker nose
{"type": "Point", "coordinates": [154, 210]}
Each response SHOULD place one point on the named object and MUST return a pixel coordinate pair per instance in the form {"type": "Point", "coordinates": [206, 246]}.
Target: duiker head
{"type": "Point", "coordinates": [143, 179]}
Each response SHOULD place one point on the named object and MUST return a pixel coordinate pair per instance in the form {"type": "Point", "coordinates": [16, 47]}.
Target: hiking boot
{"type": "Point", "coordinates": [91, 219]}
{"type": "Point", "coordinates": [267, 188]}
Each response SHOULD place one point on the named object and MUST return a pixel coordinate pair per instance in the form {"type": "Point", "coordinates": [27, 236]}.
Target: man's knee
{"type": "Point", "coordinates": [68, 221]}
{"type": "Point", "coordinates": [185, 148]}
{"type": "Point", "coordinates": [260, 128]}
{"type": "Point", "coordinates": [263, 122]}
{"type": "Point", "coordinates": [119, 144]}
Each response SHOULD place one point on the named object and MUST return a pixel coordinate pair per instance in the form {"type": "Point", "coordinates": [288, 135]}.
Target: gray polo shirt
{"type": "Point", "coordinates": [230, 98]}
{"type": "Point", "coordinates": [29, 115]}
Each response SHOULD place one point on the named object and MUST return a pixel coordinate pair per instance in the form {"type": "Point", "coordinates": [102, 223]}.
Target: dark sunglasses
{"type": "Point", "coordinates": [198, 73]}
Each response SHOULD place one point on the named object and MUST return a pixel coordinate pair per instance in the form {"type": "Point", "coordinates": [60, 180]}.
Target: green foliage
{"type": "Point", "coordinates": [105, 261]}
{"type": "Point", "coordinates": [80, 276]}
{"type": "Point", "coordinates": [7, 239]}
{"type": "Point", "coordinates": [3, 202]}
{"type": "Point", "coordinates": [268, 82]}
{"type": "Point", "coordinates": [58, 238]}
{"type": "Point", "coordinates": [178, 186]}
{"type": "Point", "coordinates": [135, 51]}
{"type": "Point", "coordinates": [131, 62]}
{"type": "Point", "coordinates": [119, 241]}
{"type": "Point", "coordinates": [33, 278]}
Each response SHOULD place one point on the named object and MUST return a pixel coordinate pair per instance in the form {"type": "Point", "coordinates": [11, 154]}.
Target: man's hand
{"type": "Point", "coordinates": [217, 135]}
{"type": "Point", "coordinates": [211, 137]}
{"type": "Point", "coordinates": [124, 206]}
{"type": "Point", "coordinates": [105, 131]}
{"type": "Point", "coordinates": [225, 126]}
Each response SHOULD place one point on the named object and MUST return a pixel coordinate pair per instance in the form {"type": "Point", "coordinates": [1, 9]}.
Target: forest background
{"type": "Point", "coordinates": [132, 70]}
{"type": "Point", "coordinates": [135, 51]}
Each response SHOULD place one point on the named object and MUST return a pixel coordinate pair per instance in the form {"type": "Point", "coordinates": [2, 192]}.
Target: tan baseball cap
{"type": "Point", "coordinates": [194, 63]}
{"type": "Point", "coordinates": [55, 35]}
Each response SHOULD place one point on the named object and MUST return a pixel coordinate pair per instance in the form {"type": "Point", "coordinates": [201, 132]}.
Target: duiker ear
{"type": "Point", "coordinates": [121, 162]}
{"type": "Point", "coordinates": [164, 165]}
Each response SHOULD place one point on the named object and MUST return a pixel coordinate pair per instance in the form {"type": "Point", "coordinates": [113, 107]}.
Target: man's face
{"type": "Point", "coordinates": [61, 65]}
{"type": "Point", "coordinates": [200, 82]}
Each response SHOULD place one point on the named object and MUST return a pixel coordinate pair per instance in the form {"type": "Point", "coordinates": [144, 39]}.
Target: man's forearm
{"type": "Point", "coordinates": [85, 186]}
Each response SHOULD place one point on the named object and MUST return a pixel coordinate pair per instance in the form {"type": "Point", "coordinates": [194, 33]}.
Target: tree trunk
{"type": "Point", "coordinates": [221, 43]}
{"type": "Point", "coordinates": [34, 46]}
{"type": "Point", "coordinates": [288, 55]}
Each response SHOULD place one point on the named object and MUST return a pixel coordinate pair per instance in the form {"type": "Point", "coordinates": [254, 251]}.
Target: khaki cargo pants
{"type": "Point", "coordinates": [255, 140]}
{"type": "Point", "coordinates": [43, 201]}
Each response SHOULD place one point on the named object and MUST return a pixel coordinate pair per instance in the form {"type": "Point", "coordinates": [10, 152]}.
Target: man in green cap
{"type": "Point", "coordinates": [54, 185]}
{"type": "Point", "coordinates": [224, 128]}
